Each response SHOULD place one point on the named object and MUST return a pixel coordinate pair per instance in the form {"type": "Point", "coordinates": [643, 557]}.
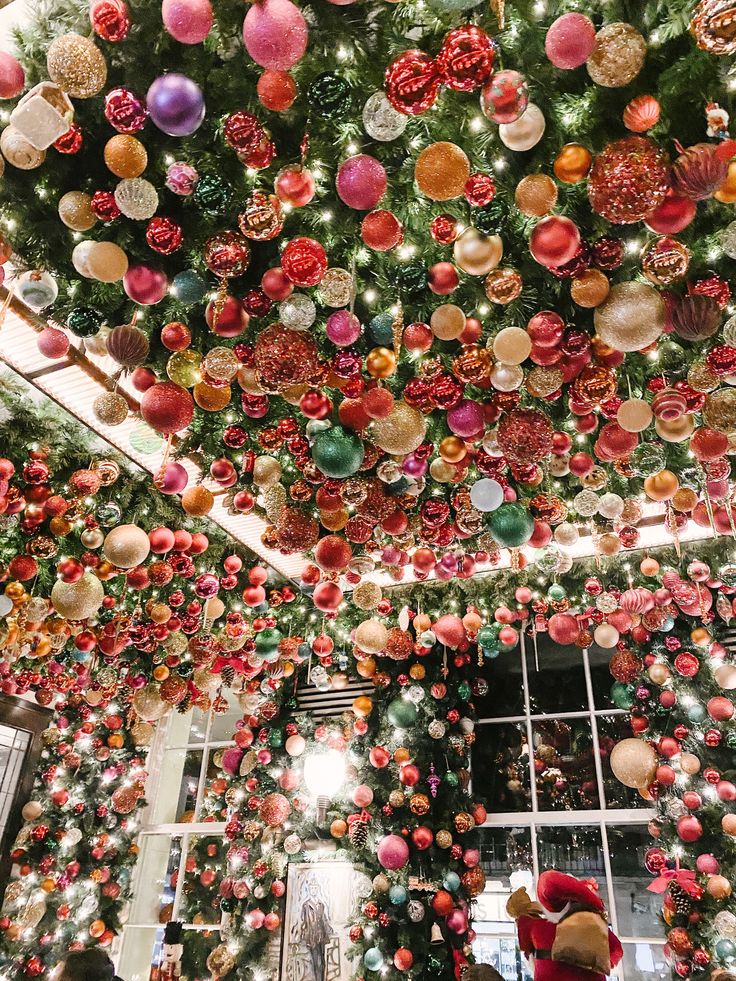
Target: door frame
{"type": "Point", "coordinates": [21, 713]}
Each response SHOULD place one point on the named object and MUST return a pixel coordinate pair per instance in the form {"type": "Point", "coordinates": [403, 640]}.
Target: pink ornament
{"type": "Point", "coordinates": [449, 630]}
{"type": "Point", "coordinates": [272, 921]}
{"type": "Point", "coordinates": [181, 178]}
{"type": "Point", "coordinates": [720, 708]}
{"type": "Point", "coordinates": [708, 864]}
{"type": "Point", "coordinates": [471, 857]}
{"type": "Point", "coordinates": [255, 919]}
{"type": "Point", "coordinates": [343, 328]}
{"type": "Point", "coordinates": [327, 596]}
{"type": "Point", "coordinates": [457, 921]}
{"type": "Point", "coordinates": [362, 796]}
{"type": "Point", "coordinates": [726, 790]}
{"type": "Point", "coordinates": [231, 759]}
{"type": "Point", "coordinates": [275, 34]}
{"type": "Point", "coordinates": [674, 214]}
{"type": "Point", "coordinates": [289, 780]}
{"type": "Point", "coordinates": [52, 342]}
{"type": "Point", "coordinates": [563, 628]}
{"type": "Point", "coordinates": [174, 479]}
{"type": "Point", "coordinates": [689, 828]}
{"type": "Point", "coordinates": [466, 419]}
{"type": "Point", "coordinates": [361, 182]}
{"type": "Point", "coordinates": [187, 21]}
{"type": "Point", "coordinates": [12, 76]}
{"type": "Point", "coordinates": [570, 41]}
{"type": "Point", "coordinates": [393, 852]}
{"type": "Point", "coordinates": [145, 284]}
{"type": "Point", "coordinates": [554, 241]}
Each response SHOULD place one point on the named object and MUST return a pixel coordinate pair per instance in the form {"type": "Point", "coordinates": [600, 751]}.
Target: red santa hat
{"type": "Point", "coordinates": [556, 889]}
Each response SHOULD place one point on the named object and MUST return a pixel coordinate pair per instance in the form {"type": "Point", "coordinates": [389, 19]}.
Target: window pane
{"type": "Point", "coordinates": [504, 850]}
{"type": "Point", "coordinates": [637, 910]}
{"type": "Point", "coordinates": [176, 796]}
{"type": "Point", "coordinates": [505, 696]}
{"type": "Point", "coordinates": [223, 722]}
{"type": "Point", "coordinates": [575, 850]}
{"type": "Point", "coordinates": [601, 677]}
{"type": "Point", "coordinates": [205, 866]}
{"type": "Point", "coordinates": [564, 765]}
{"type": "Point", "coordinates": [556, 677]}
{"type": "Point", "coordinates": [612, 729]}
{"type": "Point", "coordinates": [645, 962]}
{"type": "Point", "coordinates": [189, 727]}
{"type": "Point", "coordinates": [153, 897]}
{"type": "Point", "coordinates": [501, 767]}
{"type": "Point", "coordinates": [140, 949]}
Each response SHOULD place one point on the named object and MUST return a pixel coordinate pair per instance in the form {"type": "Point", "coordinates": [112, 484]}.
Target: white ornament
{"type": "Point", "coordinates": [297, 312]}
{"type": "Point", "coordinates": [525, 132]}
{"type": "Point", "coordinates": [137, 198]}
{"type": "Point", "coordinates": [43, 115]}
{"type": "Point", "coordinates": [381, 121]}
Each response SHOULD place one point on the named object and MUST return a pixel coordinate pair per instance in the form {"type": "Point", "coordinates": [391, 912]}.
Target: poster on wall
{"type": "Point", "coordinates": [320, 899]}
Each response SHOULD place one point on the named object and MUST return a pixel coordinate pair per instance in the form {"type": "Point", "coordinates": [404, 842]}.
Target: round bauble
{"type": "Point", "coordinates": [634, 415]}
{"type": "Point", "coordinates": [361, 182]}
{"type": "Point", "coordinates": [441, 171]}
{"type": "Point", "coordinates": [145, 284]}
{"type": "Point", "coordinates": [167, 408]}
{"type": "Point", "coordinates": [535, 195]}
{"type": "Point", "coordinates": [337, 452]}
{"type": "Point", "coordinates": [106, 262]}
{"type": "Point", "coordinates": [125, 156]}
{"type": "Point", "coordinates": [570, 41]}
{"type": "Point", "coordinates": [477, 254]}
{"type": "Point", "coordinates": [371, 636]}
{"type": "Point", "coordinates": [632, 317]}
{"type": "Point", "coordinates": [12, 76]}
{"type": "Point", "coordinates": [634, 762]}
{"type": "Point", "coordinates": [126, 546]}
{"type": "Point", "coordinates": [629, 179]}
{"type": "Point", "coordinates": [525, 132]}
{"type": "Point", "coordinates": [275, 34]}
{"type": "Point", "coordinates": [511, 525]}
{"type": "Point", "coordinates": [77, 65]}
{"type": "Point", "coordinates": [78, 600]}
{"type": "Point", "coordinates": [618, 55]}
{"type": "Point", "coordinates": [554, 241]}
{"type": "Point", "coordinates": [176, 104]}
{"type": "Point", "coordinates": [512, 345]}
{"type": "Point", "coordinates": [75, 211]}
{"type": "Point", "coordinates": [401, 432]}
{"type": "Point", "coordinates": [187, 21]}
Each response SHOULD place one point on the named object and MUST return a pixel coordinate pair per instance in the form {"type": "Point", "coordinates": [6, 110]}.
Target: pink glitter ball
{"type": "Point", "coordinates": [343, 328]}
{"type": "Point", "coordinates": [181, 178]}
{"type": "Point", "coordinates": [570, 41]}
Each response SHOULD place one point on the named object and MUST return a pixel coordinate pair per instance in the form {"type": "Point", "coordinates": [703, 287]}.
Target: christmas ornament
{"type": "Point", "coordinates": [525, 132]}
{"type": "Point", "coordinates": [441, 171]}
{"type": "Point", "coordinates": [632, 317]}
{"type": "Point", "coordinates": [629, 179]}
{"type": "Point", "coordinates": [618, 55]}
{"type": "Point", "coordinates": [77, 65]}
{"type": "Point", "coordinates": [412, 82]}
{"type": "Point", "coordinates": [175, 104]}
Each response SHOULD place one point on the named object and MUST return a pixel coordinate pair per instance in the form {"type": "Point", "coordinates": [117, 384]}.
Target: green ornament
{"type": "Point", "coordinates": [108, 514]}
{"type": "Point", "coordinates": [84, 321]}
{"type": "Point", "coordinates": [381, 328]}
{"type": "Point", "coordinates": [696, 712]}
{"type": "Point", "coordinates": [486, 221]}
{"type": "Point", "coordinates": [329, 94]}
{"type": "Point", "coordinates": [731, 739]}
{"type": "Point", "coordinates": [402, 713]}
{"type": "Point", "coordinates": [464, 690]}
{"type": "Point", "coordinates": [725, 949]}
{"type": "Point", "coordinates": [412, 279]}
{"type": "Point", "coordinates": [556, 592]}
{"type": "Point", "coordinates": [646, 459]}
{"type": "Point", "coordinates": [212, 194]}
{"type": "Point", "coordinates": [486, 636]}
{"type": "Point", "coordinates": [511, 525]}
{"type": "Point", "coordinates": [434, 964]}
{"type": "Point", "coordinates": [188, 287]}
{"type": "Point", "coordinates": [337, 452]}
{"type": "Point", "coordinates": [671, 358]}
{"type": "Point", "coordinates": [622, 695]}
{"type": "Point", "coordinates": [451, 778]}
{"type": "Point", "coordinates": [268, 640]}
{"type": "Point", "coordinates": [185, 368]}
{"type": "Point", "coordinates": [275, 738]}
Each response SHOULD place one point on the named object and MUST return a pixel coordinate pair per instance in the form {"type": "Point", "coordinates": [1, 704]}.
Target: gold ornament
{"type": "Point", "coordinates": [535, 195]}
{"type": "Point", "coordinates": [512, 345]}
{"type": "Point", "coordinates": [633, 762]}
{"type": "Point", "coordinates": [503, 286]}
{"type": "Point", "coordinates": [402, 431]}
{"type": "Point", "coordinates": [367, 596]}
{"type": "Point", "coordinates": [542, 382]}
{"type": "Point", "coordinates": [149, 705]}
{"type": "Point", "coordinates": [197, 501]}
{"type": "Point", "coordinates": [210, 397]}
{"type": "Point", "coordinates": [476, 254]}
{"type": "Point", "coordinates": [220, 961]}
{"type": "Point", "coordinates": [665, 261]}
{"type": "Point", "coordinates": [75, 211]}
{"type": "Point", "coordinates": [443, 838]}
{"type": "Point", "coordinates": [590, 289]}
{"type": "Point", "coordinates": [701, 378]}
{"type": "Point", "coordinates": [77, 65]}
{"type": "Point", "coordinates": [441, 171]}
{"type": "Point", "coordinates": [125, 156]}
{"type": "Point", "coordinates": [572, 163]}
{"type": "Point", "coordinates": [78, 600]}
{"type": "Point", "coordinates": [221, 364]}
{"type": "Point", "coordinates": [712, 26]}
{"type": "Point", "coordinates": [447, 322]}
{"type": "Point", "coordinates": [126, 546]}
{"type": "Point", "coordinates": [419, 804]}
{"type": "Point", "coordinates": [618, 56]}
{"type": "Point", "coordinates": [631, 318]}
{"type": "Point", "coordinates": [371, 636]}
{"type": "Point", "coordinates": [719, 411]}
{"type": "Point", "coordinates": [110, 409]}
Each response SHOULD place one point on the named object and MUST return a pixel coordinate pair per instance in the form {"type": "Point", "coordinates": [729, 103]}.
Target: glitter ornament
{"type": "Point", "coordinates": [284, 358]}
{"type": "Point", "coordinates": [712, 26]}
{"type": "Point", "coordinates": [525, 436]}
{"type": "Point", "coordinates": [412, 82]}
{"type": "Point", "coordinates": [75, 211]}
{"type": "Point", "coordinates": [78, 600]}
{"type": "Point", "coordinates": [187, 21]}
{"type": "Point", "coordinates": [298, 312]}
{"type": "Point", "coordinates": [665, 261]}
{"type": "Point", "coordinates": [505, 97]}
{"type": "Point", "coordinates": [361, 182]}
{"type": "Point", "coordinates": [525, 132]}
{"type": "Point", "coordinates": [381, 121]}
{"type": "Point", "coordinates": [401, 432]}
{"type": "Point", "coordinates": [137, 198]}
{"type": "Point", "coordinates": [77, 65]}
{"type": "Point", "coordinates": [618, 55]}
{"type": "Point", "coordinates": [336, 287]}
{"type": "Point", "coordinates": [465, 59]}
{"type": "Point", "coordinates": [167, 408]}
{"type": "Point", "coordinates": [629, 179]}
{"type": "Point", "coordinates": [304, 261]}
{"type": "Point", "coordinates": [275, 34]}
{"type": "Point", "coordinates": [381, 230]}
{"type": "Point", "coordinates": [110, 409]}
{"type": "Point", "coordinates": [570, 41]}
{"type": "Point", "coordinates": [441, 171]}
{"type": "Point", "coordinates": [276, 90]}
{"type": "Point", "coordinates": [631, 318]}
{"type": "Point", "coordinates": [227, 254]}
{"type": "Point", "coordinates": [125, 111]}
{"type": "Point", "coordinates": [535, 195]}
{"type": "Point", "coordinates": [110, 20]}
{"type": "Point", "coordinates": [125, 156]}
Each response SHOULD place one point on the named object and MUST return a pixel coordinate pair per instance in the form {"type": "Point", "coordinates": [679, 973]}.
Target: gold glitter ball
{"type": "Point", "coordinates": [542, 382]}
{"type": "Point", "coordinates": [618, 56]}
{"type": "Point", "coordinates": [719, 411]}
{"type": "Point", "coordinates": [77, 65]}
{"type": "Point", "coordinates": [701, 378]}
{"type": "Point", "coordinates": [110, 409]}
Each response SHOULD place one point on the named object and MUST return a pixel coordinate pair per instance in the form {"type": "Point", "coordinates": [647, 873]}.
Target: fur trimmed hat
{"type": "Point", "coordinates": [556, 889]}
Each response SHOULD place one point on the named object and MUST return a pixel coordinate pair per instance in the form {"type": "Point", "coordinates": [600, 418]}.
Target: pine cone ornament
{"type": "Point", "coordinates": [227, 673]}
{"type": "Point", "coordinates": [359, 833]}
{"type": "Point", "coordinates": [682, 902]}
{"type": "Point", "coordinates": [699, 171]}
{"type": "Point", "coordinates": [184, 705]}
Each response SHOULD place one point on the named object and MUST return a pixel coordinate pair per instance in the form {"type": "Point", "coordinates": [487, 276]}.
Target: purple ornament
{"type": "Point", "coordinates": [465, 419]}
{"type": "Point", "coordinates": [173, 480]}
{"type": "Point", "coordinates": [570, 41]}
{"type": "Point", "coordinates": [361, 182]}
{"type": "Point", "coordinates": [145, 284]}
{"type": "Point", "coordinates": [181, 178]}
{"type": "Point", "coordinates": [176, 104]}
{"type": "Point", "coordinates": [343, 328]}
{"type": "Point", "coordinates": [414, 466]}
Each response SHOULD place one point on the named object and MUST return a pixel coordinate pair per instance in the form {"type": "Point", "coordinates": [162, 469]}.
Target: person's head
{"type": "Point", "coordinates": [87, 965]}
{"type": "Point", "coordinates": [481, 972]}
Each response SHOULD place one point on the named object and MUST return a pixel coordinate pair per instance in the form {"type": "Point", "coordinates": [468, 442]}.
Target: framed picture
{"type": "Point", "coordinates": [320, 899]}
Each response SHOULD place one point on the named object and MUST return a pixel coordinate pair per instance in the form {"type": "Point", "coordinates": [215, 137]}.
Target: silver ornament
{"type": "Point", "coordinates": [725, 922]}
{"type": "Point", "coordinates": [137, 198]}
{"type": "Point", "coordinates": [728, 240]}
{"type": "Point", "coordinates": [436, 729]}
{"type": "Point", "coordinates": [381, 121]}
{"type": "Point", "coordinates": [297, 312]}
{"type": "Point", "coordinates": [292, 844]}
{"type": "Point", "coordinates": [586, 503]}
{"type": "Point", "coordinates": [415, 910]}
{"type": "Point", "coordinates": [36, 289]}
{"type": "Point", "coordinates": [606, 603]}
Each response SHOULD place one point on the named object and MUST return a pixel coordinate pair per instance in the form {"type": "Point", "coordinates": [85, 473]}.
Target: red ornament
{"type": "Point", "coordinates": [465, 60]}
{"type": "Point", "coordinates": [71, 141]}
{"type": "Point", "coordinates": [699, 171]}
{"type": "Point", "coordinates": [294, 185]}
{"type": "Point", "coordinates": [442, 278]}
{"type": "Point", "coordinates": [444, 229]}
{"type": "Point", "coordinates": [381, 230]}
{"type": "Point", "coordinates": [276, 90]}
{"type": "Point", "coordinates": [629, 179]}
{"type": "Point", "coordinates": [284, 358]}
{"type": "Point", "coordinates": [525, 436]}
{"type": "Point", "coordinates": [412, 82]}
{"type": "Point", "coordinates": [304, 261]}
{"type": "Point", "coordinates": [167, 408]}
{"type": "Point", "coordinates": [104, 206]}
{"type": "Point", "coordinates": [480, 190]}
{"type": "Point", "coordinates": [227, 254]}
{"type": "Point", "coordinates": [673, 215]}
{"type": "Point", "coordinates": [125, 111]}
{"type": "Point", "coordinates": [163, 235]}
{"type": "Point", "coordinates": [554, 241]}
{"type": "Point", "coordinates": [176, 336]}
{"type": "Point", "coordinates": [110, 20]}
{"type": "Point", "coordinates": [243, 131]}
